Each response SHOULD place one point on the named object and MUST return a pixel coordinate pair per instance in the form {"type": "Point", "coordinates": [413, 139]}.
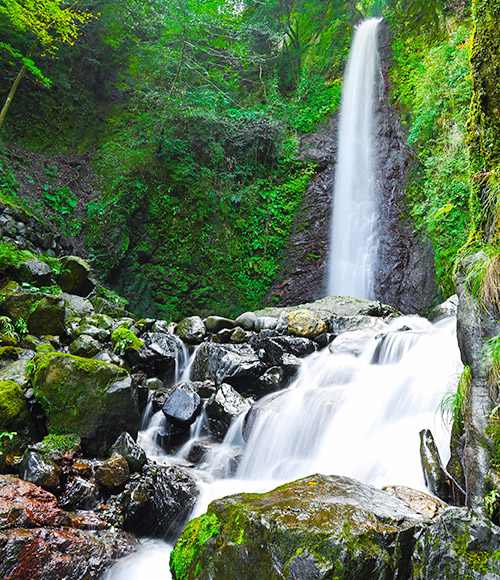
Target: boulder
{"type": "Point", "coordinates": [447, 308]}
{"type": "Point", "coordinates": [33, 271]}
{"type": "Point", "coordinates": [237, 365]}
{"type": "Point", "coordinates": [191, 330]}
{"type": "Point", "coordinates": [16, 371]}
{"type": "Point", "coordinates": [113, 473]}
{"type": "Point", "coordinates": [160, 354]}
{"type": "Point", "coordinates": [305, 323]}
{"type": "Point", "coordinates": [216, 323]}
{"type": "Point", "coordinates": [222, 408]}
{"type": "Point", "coordinates": [14, 411]}
{"type": "Point", "coordinates": [265, 323]}
{"type": "Point", "coordinates": [157, 502]}
{"type": "Point", "coordinates": [460, 545]}
{"type": "Point", "coordinates": [246, 321]}
{"type": "Point", "coordinates": [341, 324]}
{"type": "Point", "coordinates": [238, 335]}
{"type": "Point", "coordinates": [92, 399]}
{"type": "Point", "coordinates": [276, 346]}
{"type": "Point", "coordinates": [43, 313]}
{"type": "Point", "coordinates": [85, 346]}
{"type": "Point", "coordinates": [273, 379]}
{"type": "Point", "coordinates": [182, 405]}
{"type": "Point", "coordinates": [128, 448]}
{"type": "Point", "coordinates": [419, 501]}
{"type": "Point", "coordinates": [76, 305]}
{"type": "Point", "coordinates": [317, 527]}
{"type": "Point", "coordinates": [79, 494]}
{"type": "Point", "coordinates": [40, 470]}
{"type": "Point", "coordinates": [75, 276]}
{"type": "Point", "coordinates": [39, 541]}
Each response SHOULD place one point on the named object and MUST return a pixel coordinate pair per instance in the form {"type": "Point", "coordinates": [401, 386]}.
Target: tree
{"type": "Point", "coordinates": [48, 24]}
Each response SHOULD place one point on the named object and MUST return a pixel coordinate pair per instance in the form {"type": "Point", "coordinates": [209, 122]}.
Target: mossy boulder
{"type": "Point", "coordinates": [317, 527]}
{"type": "Point", "coordinates": [44, 313]}
{"type": "Point", "coordinates": [14, 411]}
{"type": "Point", "coordinates": [90, 398]}
{"type": "Point", "coordinates": [191, 330]}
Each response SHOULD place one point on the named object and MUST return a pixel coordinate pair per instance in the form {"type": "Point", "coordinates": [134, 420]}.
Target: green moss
{"type": "Point", "coordinates": [59, 443]}
{"type": "Point", "coordinates": [14, 413]}
{"type": "Point", "coordinates": [10, 255]}
{"type": "Point", "coordinates": [194, 536]}
{"type": "Point", "coordinates": [124, 339]}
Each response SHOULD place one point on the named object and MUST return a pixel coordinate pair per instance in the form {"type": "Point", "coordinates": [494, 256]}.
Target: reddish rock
{"type": "Point", "coordinates": [39, 541]}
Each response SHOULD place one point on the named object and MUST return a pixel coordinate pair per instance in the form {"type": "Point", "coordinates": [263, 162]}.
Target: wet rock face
{"type": "Point", "coordinates": [406, 277]}
{"type": "Point", "coordinates": [318, 527]}
{"type": "Point", "coordinates": [39, 541]}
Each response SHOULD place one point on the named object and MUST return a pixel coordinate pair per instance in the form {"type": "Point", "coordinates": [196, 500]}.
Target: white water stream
{"type": "Point", "coordinates": [354, 229]}
{"type": "Point", "coordinates": [347, 415]}
{"type": "Point", "coordinates": [358, 416]}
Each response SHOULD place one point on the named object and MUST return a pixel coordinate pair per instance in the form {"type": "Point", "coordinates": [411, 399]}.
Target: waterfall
{"type": "Point", "coordinates": [354, 235]}
{"type": "Point", "coordinates": [344, 414]}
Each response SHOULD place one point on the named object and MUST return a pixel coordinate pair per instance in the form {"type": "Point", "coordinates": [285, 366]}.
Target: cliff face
{"type": "Point", "coordinates": [405, 278]}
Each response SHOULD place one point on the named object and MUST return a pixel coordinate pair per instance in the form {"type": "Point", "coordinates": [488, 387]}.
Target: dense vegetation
{"type": "Point", "coordinates": [190, 114]}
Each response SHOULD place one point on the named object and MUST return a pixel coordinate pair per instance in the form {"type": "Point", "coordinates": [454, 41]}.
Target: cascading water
{"type": "Point", "coordinates": [354, 235]}
{"type": "Point", "coordinates": [349, 415]}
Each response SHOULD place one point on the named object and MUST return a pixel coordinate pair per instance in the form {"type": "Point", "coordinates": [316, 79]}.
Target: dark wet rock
{"type": "Point", "coordinates": [172, 435]}
{"type": "Point", "coordinates": [222, 408]}
{"type": "Point", "coordinates": [276, 346]}
{"type": "Point", "coordinates": [199, 451]}
{"type": "Point", "coordinates": [317, 527]}
{"type": "Point", "coordinates": [182, 405]}
{"type": "Point", "coordinates": [272, 403]}
{"type": "Point", "coordinates": [191, 330]}
{"type": "Point", "coordinates": [75, 277]}
{"type": "Point", "coordinates": [216, 323]}
{"type": "Point", "coordinates": [237, 365]}
{"type": "Point", "coordinates": [113, 473]}
{"type": "Point", "coordinates": [159, 354]}
{"type": "Point", "coordinates": [157, 502]}
{"type": "Point", "coordinates": [98, 401]}
{"type": "Point", "coordinates": [41, 470]}
{"type": "Point", "coordinates": [273, 379]}
{"type": "Point", "coordinates": [85, 346]}
{"type": "Point", "coordinates": [33, 272]}
{"type": "Point", "coordinates": [460, 545]}
{"type": "Point", "coordinates": [223, 336]}
{"type": "Point", "coordinates": [436, 478]}
{"type": "Point", "coordinates": [290, 365]}
{"type": "Point", "coordinates": [79, 494]}
{"type": "Point", "coordinates": [128, 448]}
{"type": "Point", "coordinates": [246, 321]}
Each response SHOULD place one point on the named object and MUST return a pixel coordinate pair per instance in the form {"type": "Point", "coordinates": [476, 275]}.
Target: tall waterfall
{"type": "Point", "coordinates": [354, 236]}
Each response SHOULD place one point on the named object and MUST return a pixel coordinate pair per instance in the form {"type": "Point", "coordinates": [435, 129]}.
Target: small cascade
{"type": "Point", "coordinates": [358, 416]}
{"type": "Point", "coordinates": [354, 229]}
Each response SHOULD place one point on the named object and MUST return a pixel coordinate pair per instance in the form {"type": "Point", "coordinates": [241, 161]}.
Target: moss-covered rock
{"type": "Point", "coordinates": [14, 411]}
{"type": "Point", "coordinates": [305, 323]}
{"type": "Point", "coordinates": [43, 312]}
{"type": "Point", "coordinates": [93, 399]}
{"type": "Point", "coordinates": [75, 276]}
{"type": "Point", "coordinates": [318, 527]}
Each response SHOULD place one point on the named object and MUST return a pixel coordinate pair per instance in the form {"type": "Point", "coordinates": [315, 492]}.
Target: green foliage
{"type": "Point", "coordinates": [7, 327]}
{"type": "Point", "coordinates": [59, 443]}
{"type": "Point", "coordinates": [491, 502]}
{"type": "Point", "coordinates": [62, 203]}
{"type": "Point", "coordinates": [6, 435]}
{"type": "Point", "coordinates": [454, 403]}
{"type": "Point", "coordinates": [432, 85]}
{"type": "Point", "coordinates": [483, 276]}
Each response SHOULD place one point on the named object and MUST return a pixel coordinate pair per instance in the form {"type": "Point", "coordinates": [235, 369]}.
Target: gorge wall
{"type": "Point", "coordinates": [406, 278]}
